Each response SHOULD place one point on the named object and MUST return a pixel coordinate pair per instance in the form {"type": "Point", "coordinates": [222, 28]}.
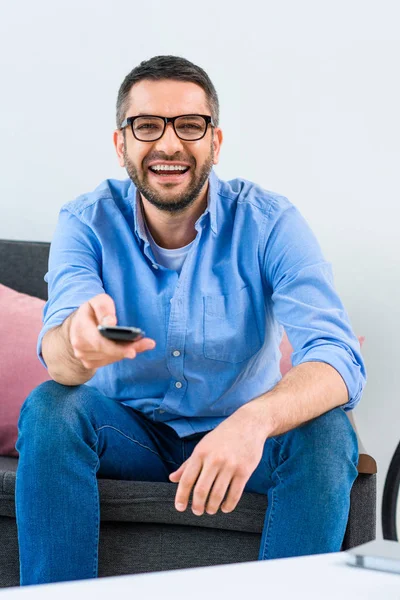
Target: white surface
{"type": "Point", "coordinates": [321, 577]}
{"type": "Point", "coordinates": [324, 75]}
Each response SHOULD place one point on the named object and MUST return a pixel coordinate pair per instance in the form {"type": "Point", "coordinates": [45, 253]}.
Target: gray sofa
{"type": "Point", "coordinates": [140, 529]}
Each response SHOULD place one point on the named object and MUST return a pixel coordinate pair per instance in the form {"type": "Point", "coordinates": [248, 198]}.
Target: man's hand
{"type": "Point", "coordinates": [224, 458]}
{"type": "Point", "coordinates": [89, 346]}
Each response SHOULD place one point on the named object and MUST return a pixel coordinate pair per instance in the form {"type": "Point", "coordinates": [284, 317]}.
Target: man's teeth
{"type": "Point", "coordinates": [168, 168]}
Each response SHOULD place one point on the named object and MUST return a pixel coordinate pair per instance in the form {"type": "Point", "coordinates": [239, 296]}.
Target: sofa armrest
{"type": "Point", "coordinates": [366, 464]}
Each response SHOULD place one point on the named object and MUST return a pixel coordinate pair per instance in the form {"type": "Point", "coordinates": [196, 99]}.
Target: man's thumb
{"type": "Point", "coordinates": [109, 320]}
{"type": "Point", "coordinates": [102, 307]}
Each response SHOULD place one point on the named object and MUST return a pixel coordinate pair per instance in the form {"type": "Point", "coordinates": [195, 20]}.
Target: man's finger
{"type": "Point", "coordinates": [236, 488]}
{"type": "Point", "coordinates": [101, 306]}
{"type": "Point", "coordinates": [220, 487]}
{"type": "Point", "coordinates": [186, 483]}
{"type": "Point", "coordinates": [176, 475]}
{"type": "Point", "coordinates": [203, 487]}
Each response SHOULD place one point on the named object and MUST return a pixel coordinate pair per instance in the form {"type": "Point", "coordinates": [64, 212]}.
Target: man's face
{"type": "Point", "coordinates": [168, 98]}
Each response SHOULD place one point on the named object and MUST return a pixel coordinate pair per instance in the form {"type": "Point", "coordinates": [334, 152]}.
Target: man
{"type": "Point", "coordinates": [213, 272]}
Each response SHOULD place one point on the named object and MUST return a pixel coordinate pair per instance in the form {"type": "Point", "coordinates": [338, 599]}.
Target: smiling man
{"type": "Point", "coordinates": [213, 271]}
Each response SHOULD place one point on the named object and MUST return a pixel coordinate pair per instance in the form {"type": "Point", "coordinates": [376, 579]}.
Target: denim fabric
{"type": "Point", "coordinates": [70, 435]}
{"type": "Point", "coordinates": [255, 268]}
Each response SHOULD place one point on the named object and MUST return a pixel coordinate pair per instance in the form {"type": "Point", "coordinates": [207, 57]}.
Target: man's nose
{"type": "Point", "coordinates": [169, 142]}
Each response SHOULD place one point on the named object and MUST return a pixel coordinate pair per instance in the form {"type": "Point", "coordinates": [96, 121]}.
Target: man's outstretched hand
{"type": "Point", "coordinates": [224, 459]}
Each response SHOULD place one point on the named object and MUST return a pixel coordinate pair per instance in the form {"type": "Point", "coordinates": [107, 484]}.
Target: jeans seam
{"type": "Point", "coordinates": [270, 518]}
{"type": "Point", "coordinates": [281, 456]}
{"type": "Point", "coordinates": [281, 459]}
{"type": "Point", "coordinates": [136, 442]}
{"type": "Point", "coordinates": [277, 442]}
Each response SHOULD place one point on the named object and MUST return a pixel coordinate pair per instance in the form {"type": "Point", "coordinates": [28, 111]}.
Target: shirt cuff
{"type": "Point", "coordinates": [345, 364]}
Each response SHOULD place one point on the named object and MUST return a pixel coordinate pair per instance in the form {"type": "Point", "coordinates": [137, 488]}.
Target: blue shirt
{"type": "Point", "coordinates": [255, 269]}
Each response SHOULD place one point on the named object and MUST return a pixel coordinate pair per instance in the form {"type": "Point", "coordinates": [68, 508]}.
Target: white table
{"type": "Point", "coordinates": [319, 577]}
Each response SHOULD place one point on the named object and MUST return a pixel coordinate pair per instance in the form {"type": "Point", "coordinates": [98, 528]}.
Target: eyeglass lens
{"type": "Point", "coordinates": [187, 127]}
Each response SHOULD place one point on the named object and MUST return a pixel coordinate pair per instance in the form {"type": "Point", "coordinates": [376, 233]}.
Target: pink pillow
{"type": "Point", "coordinates": [286, 349]}
{"type": "Point", "coordinates": [20, 369]}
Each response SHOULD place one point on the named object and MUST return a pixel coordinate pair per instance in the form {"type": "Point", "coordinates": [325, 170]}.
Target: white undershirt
{"type": "Point", "coordinates": [169, 258]}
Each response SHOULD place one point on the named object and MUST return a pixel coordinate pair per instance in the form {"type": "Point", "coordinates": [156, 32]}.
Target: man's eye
{"type": "Point", "coordinates": [189, 126]}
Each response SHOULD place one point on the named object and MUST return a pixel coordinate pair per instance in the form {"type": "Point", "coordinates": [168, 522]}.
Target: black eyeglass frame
{"type": "Point", "coordinates": [130, 121]}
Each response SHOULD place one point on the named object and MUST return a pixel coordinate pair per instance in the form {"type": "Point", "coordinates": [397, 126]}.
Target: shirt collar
{"type": "Point", "coordinates": [213, 186]}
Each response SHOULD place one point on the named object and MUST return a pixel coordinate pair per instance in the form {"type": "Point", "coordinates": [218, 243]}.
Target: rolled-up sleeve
{"type": "Point", "coordinates": [306, 304]}
{"type": "Point", "coordinates": [74, 272]}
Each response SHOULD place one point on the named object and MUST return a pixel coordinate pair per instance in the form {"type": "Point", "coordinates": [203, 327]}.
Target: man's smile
{"type": "Point", "coordinates": [168, 175]}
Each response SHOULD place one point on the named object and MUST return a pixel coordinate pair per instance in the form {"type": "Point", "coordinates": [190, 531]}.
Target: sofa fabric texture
{"type": "Point", "coordinates": [140, 530]}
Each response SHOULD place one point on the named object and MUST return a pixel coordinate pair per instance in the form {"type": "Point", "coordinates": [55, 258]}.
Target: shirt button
{"type": "Point", "coordinates": [178, 384]}
{"type": "Point", "coordinates": [176, 353]}
{"type": "Point", "coordinates": [161, 411]}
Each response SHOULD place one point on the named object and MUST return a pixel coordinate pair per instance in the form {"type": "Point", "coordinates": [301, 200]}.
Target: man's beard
{"type": "Point", "coordinates": [168, 200]}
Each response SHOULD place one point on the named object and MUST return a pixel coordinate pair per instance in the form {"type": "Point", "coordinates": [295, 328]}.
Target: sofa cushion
{"type": "Point", "coordinates": [23, 265]}
{"type": "Point", "coordinates": [20, 369]}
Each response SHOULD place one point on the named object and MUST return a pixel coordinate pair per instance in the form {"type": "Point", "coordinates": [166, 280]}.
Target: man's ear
{"type": "Point", "coordinates": [119, 143]}
{"type": "Point", "coordinates": [217, 142]}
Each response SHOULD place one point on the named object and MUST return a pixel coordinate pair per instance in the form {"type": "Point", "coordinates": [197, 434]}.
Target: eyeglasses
{"type": "Point", "coordinates": [149, 128]}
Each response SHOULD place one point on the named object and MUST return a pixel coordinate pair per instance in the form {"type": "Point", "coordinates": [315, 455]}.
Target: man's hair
{"type": "Point", "coordinates": [167, 67]}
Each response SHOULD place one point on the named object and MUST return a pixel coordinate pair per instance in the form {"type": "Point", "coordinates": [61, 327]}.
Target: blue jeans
{"type": "Point", "coordinates": [70, 435]}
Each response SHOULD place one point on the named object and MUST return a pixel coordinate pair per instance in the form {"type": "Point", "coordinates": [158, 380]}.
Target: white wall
{"type": "Point", "coordinates": [310, 98]}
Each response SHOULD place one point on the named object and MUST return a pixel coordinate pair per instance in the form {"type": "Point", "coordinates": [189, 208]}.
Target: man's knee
{"type": "Point", "coordinates": [328, 439]}
{"type": "Point", "coordinates": [333, 430]}
{"type": "Point", "coordinates": [52, 401]}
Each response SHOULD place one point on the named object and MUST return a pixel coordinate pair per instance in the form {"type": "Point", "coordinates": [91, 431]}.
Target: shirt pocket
{"type": "Point", "coordinates": [231, 332]}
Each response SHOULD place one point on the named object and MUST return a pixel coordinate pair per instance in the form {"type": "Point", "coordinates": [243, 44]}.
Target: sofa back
{"type": "Point", "coordinates": [23, 266]}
